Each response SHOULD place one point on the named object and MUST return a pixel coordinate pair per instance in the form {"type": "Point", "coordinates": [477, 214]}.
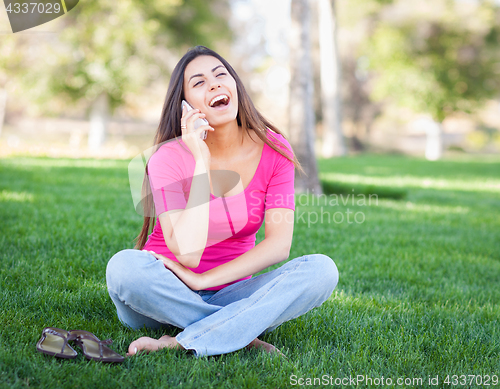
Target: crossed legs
{"type": "Point", "coordinates": [215, 322]}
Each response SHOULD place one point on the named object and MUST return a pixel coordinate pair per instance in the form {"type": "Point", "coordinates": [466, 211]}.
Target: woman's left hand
{"type": "Point", "coordinates": [193, 280]}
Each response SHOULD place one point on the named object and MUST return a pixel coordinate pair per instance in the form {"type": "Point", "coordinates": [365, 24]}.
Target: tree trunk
{"type": "Point", "coordinates": [434, 143]}
{"type": "Point", "coordinates": [3, 105]}
{"type": "Point", "coordinates": [333, 139]}
{"type": "Point", "coordinates": [301, 111]}
{"type": "Point", "coordinates": [316, 61]}
{"type": "Point", "coordinates": [99, 114]}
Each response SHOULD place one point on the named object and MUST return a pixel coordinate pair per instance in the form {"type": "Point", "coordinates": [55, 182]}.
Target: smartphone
{"type": "Point", "coordinates": [198, 122]}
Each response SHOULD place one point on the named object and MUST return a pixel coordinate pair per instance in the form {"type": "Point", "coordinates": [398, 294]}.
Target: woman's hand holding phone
{"type": "Point", "coordinates": [192, 137]}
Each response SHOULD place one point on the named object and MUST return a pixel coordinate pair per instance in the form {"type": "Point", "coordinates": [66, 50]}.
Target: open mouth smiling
{"type": "Point", "coordinates": [219, 101]}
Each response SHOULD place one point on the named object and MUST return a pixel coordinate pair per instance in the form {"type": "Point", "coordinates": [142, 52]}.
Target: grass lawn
{"type": "Point", "coordinates": [418, 296]}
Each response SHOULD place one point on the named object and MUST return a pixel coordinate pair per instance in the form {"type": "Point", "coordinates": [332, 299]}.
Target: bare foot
{"type": "Point", "coordinates": [267, 347]}
{"type": "Point", "coordinates": [150, 344]}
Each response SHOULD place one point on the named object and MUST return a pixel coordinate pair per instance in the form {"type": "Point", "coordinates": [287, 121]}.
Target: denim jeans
{"type": "Point", "coordinates": [216, 322]}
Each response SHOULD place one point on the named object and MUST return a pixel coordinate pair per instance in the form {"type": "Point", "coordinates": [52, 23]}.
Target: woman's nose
{"type": "Point", "coordinates": [214, 86]}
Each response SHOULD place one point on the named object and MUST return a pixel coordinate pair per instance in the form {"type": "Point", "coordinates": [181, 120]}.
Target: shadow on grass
{"type": "Point", "coordinates": [330, 187]}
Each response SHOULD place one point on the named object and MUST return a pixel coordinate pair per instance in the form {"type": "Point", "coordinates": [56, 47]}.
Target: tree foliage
{"type": "Point", "coordinates": [114, 47]}
{"type": "Point", "coordinates": [440, 64]}
{"type": "Point", "coordinates": [185, 23]}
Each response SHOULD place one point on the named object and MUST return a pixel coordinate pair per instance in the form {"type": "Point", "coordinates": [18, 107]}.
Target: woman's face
{"type": "Point", "coordinates": [209, 87]}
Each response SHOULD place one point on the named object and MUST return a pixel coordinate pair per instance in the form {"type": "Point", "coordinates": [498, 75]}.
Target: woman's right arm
{"type": "Point", "coordinates": [186, 231]}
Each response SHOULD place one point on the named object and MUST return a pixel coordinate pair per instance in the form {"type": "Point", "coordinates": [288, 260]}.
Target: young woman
{"type": "Point", "coordinates": [194, 271]}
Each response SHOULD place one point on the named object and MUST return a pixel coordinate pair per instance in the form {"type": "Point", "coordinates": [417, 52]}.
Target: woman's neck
{"type": "Point", "coordinates": [226, 141]}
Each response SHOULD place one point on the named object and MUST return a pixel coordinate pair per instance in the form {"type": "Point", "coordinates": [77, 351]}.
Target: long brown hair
{"type": "Point", "coordinates": [248, 118]}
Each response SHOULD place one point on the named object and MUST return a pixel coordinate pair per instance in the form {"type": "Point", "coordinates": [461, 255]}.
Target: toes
{"type": "Point", "coordinates": [138, 345]}
{"type": "Point", "coordinates": [149, 344]}
{"type": "Point", "coordinates": [259, 344]}
{"type": "Point", "coordinates": [132, 349]}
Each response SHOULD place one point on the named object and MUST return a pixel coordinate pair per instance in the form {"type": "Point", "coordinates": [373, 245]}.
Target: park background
{"type": "Point", "coordinates": [397, 99]}
{"type": "Point", "coordinates": [402, 66]}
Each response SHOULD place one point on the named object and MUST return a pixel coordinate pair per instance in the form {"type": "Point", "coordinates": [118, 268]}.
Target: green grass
{"type": "Point", "coordinates": [418, 294]}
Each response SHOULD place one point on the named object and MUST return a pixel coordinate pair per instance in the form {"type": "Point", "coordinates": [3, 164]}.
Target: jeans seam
{"type": "Point", "coordinates": [279, 278]}
{"type": "Point", "coordinates": [226, 293]}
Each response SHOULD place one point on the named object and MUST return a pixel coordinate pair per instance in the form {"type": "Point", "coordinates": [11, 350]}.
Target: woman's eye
{"type": "Point", "coordinates": [221, 74]}
{"type": "Point", "coordinates": [198, 83]}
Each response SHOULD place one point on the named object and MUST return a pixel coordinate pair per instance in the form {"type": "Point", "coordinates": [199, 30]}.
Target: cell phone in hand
{"type": "Point", "coordinates": [198, 122]}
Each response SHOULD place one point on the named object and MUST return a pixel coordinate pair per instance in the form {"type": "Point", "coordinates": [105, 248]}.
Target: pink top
{"type": "Point", "coordinates": [234, 220]}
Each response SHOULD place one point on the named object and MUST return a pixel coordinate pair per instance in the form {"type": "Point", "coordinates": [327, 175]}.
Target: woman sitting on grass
{"type": "Point", "coordinates": [194, 271]}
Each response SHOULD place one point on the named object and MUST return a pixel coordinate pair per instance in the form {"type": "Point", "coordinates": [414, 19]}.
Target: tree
{"type": "Point", "coordinates": [301, 111]}
{"type": "Point", "coordinates": [11, 60]}
{"type": "Point", "coordinates": [108, 49]}
{"type": "Point", "coordinates": [358, 18]}
{"type": "Point", "coordinates": [333, 139]}
{"type": "Point", "coordinates": [438, 66]}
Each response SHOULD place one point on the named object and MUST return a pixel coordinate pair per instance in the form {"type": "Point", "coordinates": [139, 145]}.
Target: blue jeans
{"type": "Point", "coordinates": [216, 322]}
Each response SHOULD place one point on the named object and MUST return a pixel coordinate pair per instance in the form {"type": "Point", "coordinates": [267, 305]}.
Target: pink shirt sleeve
{"type": "Point", "coordinates": [167, 178]}
{"type": "Point", "coordinates": [280, 190]}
